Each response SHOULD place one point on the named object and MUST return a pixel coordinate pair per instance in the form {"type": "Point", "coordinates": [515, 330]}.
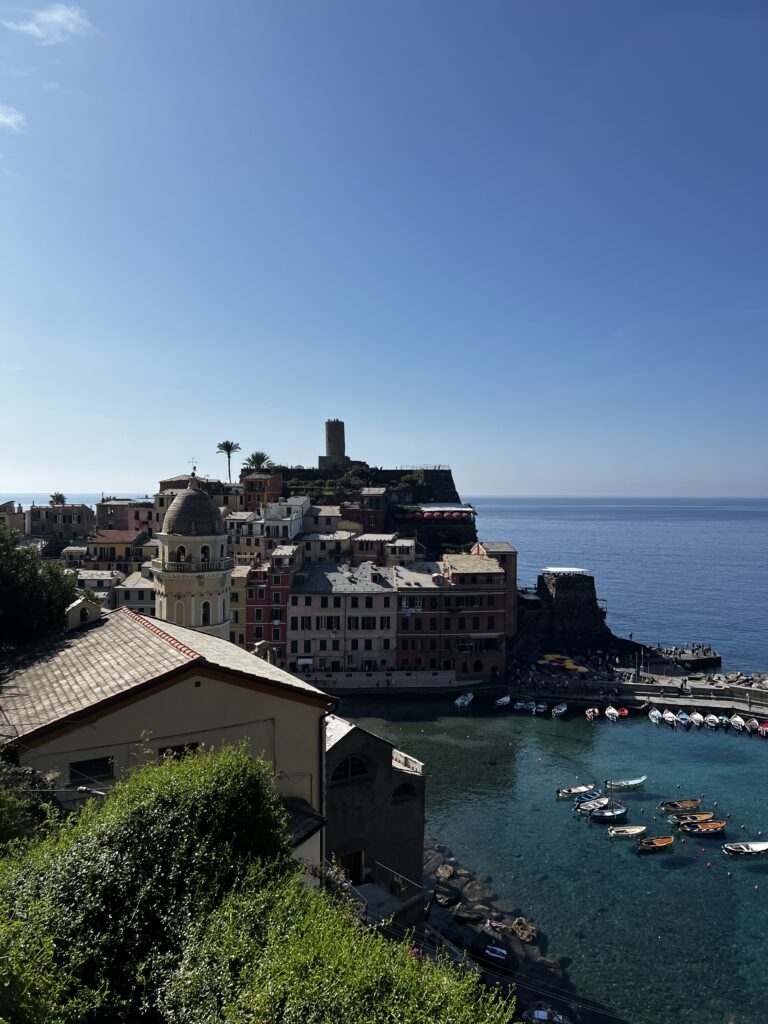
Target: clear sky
{"type": "Point", "coordinates": [527, 238]}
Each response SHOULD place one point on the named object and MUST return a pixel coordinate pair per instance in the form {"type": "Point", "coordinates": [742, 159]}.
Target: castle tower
{"type": "Point", "coordinates": [335, 447]}
{"type": "Point", "coordinates": [192, 569]}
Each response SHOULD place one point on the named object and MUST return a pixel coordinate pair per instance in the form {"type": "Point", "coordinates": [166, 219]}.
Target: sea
{"type": "Point", "coordinates": [680, 936]}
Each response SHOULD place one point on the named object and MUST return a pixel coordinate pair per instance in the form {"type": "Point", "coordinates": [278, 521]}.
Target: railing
{"type": "Point", "coordinates": [192, 567]}
{"type": "Point", "coordinates": [395, 883]}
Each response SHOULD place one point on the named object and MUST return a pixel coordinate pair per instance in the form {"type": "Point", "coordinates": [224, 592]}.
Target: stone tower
{"type": "Point", "coordinates": [335, 447]}
{"type": "Point", "coordinates": [192, 569]}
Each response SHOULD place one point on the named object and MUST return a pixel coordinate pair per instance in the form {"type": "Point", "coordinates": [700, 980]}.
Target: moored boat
{"type": "Point", "coordinates": [669, 718]}
{"type": "Point", "coordinates": [530, 705]}
{"type": "Point", "coordinates": [573, 791]}
{"type": "Point", "coordinates": [503, 702]}
{"type": "Point", "coordinates": [683, 718]}
{"type": "Point", "coordinates": [496, 952]}
{"type": "Point", "coordinates": [635, 783]}
{"type": "Point", "coordinates": [751, 725]}
{"type": "Point", "coordinates": [540, 708]}
{"type": "Point", "coordinates": [558, 710]}
{"type": "Point", "coordinates": [680, 806]}
{"type": "Point", "coordinates": [724, 720]}
{"type": "Point", "coordinates": [704, 828]}
{"type": "Point", "coordinates": [763, 729]}
{"type": "Point", "coordinates": [687, 819]}
{"type": "Point", "coordinates": [588, 806]}
{"type": "Point", "coordinates": [584, 798]}
{"type": "Point", "coordinates": [626, 831]}
{"type": "Point", "coordinates": [745, 849]}
{"type": "Point", "coordinates": [711, 721]}
{"type": "Point", "coordinates": [655, 844]}
{"type": "Point", "coordinates": [655, 716]}
{"type": "Point", "coordinates": [613, 812]}
{"type": "Point", "coordinates": [623, 712]}
{"type": "Point", "coordinates": [518, 705]}
{"type": "Point", "coordinates": [611, 713]}
{"type": "Point", "coordinates": [738, 723]}
{"type": "Point", "coordinates": [592, 714]}
{"type": "Point", "coordinates": [464, 700]}
{"type": "Point", "coordinates": [697, 719]}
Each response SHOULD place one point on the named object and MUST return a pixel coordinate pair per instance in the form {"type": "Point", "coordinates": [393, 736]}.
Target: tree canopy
{"type": "Point", "coordinates": [257, 461]}
{"type": "Point", "coordinates": [228, 448]}
{"type": "Point", "coordinates": [34, 593]}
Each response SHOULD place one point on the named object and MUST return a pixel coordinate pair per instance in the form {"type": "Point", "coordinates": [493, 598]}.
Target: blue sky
{"type": "Point", "coordinates": [527, 239]}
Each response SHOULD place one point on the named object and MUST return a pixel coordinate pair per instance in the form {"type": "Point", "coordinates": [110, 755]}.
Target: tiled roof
{"type": "Point", "coordinates": [63, 677]}
{"type": "Point", "coordinates": [501, 546]}
{"type": "Point", "coordinates": [472, 564]}
{"type": "Point", "coordinates": [327, 577]}
{"type": "Point", "coordinates": [116, 537]}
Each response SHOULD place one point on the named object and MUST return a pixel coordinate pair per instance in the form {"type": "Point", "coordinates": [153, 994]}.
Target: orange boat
{"type": "Point", "coordinates": [655, 844]}
{"type": "Point", "coordinates": [680, 806]}
{"type": "Point", "coordinates": [688, 819]}
{"type": "Point", "coordinates": [705, 828]}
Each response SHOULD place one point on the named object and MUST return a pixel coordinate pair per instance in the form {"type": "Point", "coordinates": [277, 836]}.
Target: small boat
{"type": "Point", "coordinates": [680, 806]}
{"type": "Point", "coordinates": [613, 812]}
{"type": "Point", "coordinates": [558, 710]}
{"type": "Point", "coordinates": [745, 849]}
{"type": "Point", "coordinates": [611, 713]}
{"type": "Point", "coordinates": [687, 819]}
{"type": "Point", "coordinates": [724, 721]}
{"type": "Point", "coordinates": [655, 844]}
{"type": "Point", "coordinates": [763, 729]}
{"type": "Point", "coordinates": [584, 798]}
{"type": "Point", "coordinates": [626, 783]}
{"type": "Point", "coordinates": [518, 705]}
{"type": "Point", "coordinates": [530, 705]}
{"type": "Point", "coordinates": [503, 702]}
{"type": "Point", "coordinates": [704, 828]}
{"type": "Point", "coordinates": [626, 831]}
{"type": "Point", "coordinates": [683, 718]}
{"type": "Point", "coordinates": [540, 708]}
{"type": "Point", "coordinates": [697, 719]}
{"type": "Point", "coordinates": [592, 714]}
{"type": "Point", "coordinates": [711, 721]}
{"type": "Point", "coordinates": [574, 791]}
{"type": "Point", "coordinates": [623, 712]}
{"type": "Point", "coordinates": [669, 718]}
{"type": "Point", "coordinates": [751, 725]}
{"type": "Point", "coordinates": [738, 723]}
{"type": "Point", "coordinates": [655, 716]}
{"type": "Point", "coordinates": [592, 805]}
{"type": "Point", "coordinates": [496, 952]}
{"type": "Point", "coordinates": [464, 700]}
{"type": "Point", "coordinates": [543, 1013]}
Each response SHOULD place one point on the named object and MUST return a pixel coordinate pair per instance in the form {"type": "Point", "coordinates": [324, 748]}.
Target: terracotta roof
{"type": "Point", "coordinates": [66, 677]}
{"type": "Point", "coordinates": [115, 537]}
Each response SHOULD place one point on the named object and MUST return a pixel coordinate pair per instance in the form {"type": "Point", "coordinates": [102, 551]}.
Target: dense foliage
{"type": "Point", "coordinates": [25, 803]}
{"type": "Point", "coordinates": [34, 594]}
{"type": "Point", "coordinates": [175, 901]}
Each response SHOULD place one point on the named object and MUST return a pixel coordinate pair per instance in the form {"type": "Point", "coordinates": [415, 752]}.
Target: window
{"type": "Point", "coordinates": [337, 602]}
{"type": "Point", "coordinates": [404, 624]}
{"type": "Point", "coordinates": [294, 600]}
{"type": "Point", "coordinates": [478, 666]}
{"type": "Point", "coordinates": [433, 624]}
{"type": "Point", "coordinates": [277, 580]}
{"type": "Point", "coordinates": [95, 769]}
{"type": "Point", "coordinates": [433, 644]}
{"type": "Point", "coordinates": [475, 622]}
{"type": "Point", "coordinates": [275, 599]}
{"type": "Point", "coordinates": [386, 602]}
{"type": "Point", "coordinates": [276, 634]}
{"type": "Point", "coordinates": [369, 602]}
{"type": "Point", "coordinates": [307, 646]}
{"type": "Point", "coordinates": [462, 623]}
{"type": "Point", "coordinates": [257, 614]}
{"type": "Point", "coordinates": [306, 622]}
{"type": "Point", "coordinates": [235, 617]}
{"type": "Point", "coordinates": [446, 623]}
{"type": "Point", "coordinates": [354, 602]}
{"type": "Point", "coordinates": [491, 600]}
{"type": "Point", "coordinates": [323, 645]}
{"type": "Point", "coordinates": [369, 622]}
{"type": "Point", "coordinates": [385, 644]}
{"type": "Point", "coordinates": [234, 597]}
{"type": "Point", "coordinates": [353, 622]}
{"type": "Point", "coordinates": [258, 633]}
{"type": "Point", "coordinates": [491, 622]}
{"type": "Point", "coordinates": [206, 616]}
{"type": "Point", "coordinates": [384, 621]}
{"type": "Point", "coordinates": [307, 602]}
{"type": "Point", "coordinates": [368, 645]}
{"type": "Point", "coordinates": [354, 644]}
{"type": "Point", "coordinates": [335, 645]}
{"type": "Point", "coordinates": [294, 622]}
{"type": "Point", "coordinates": [323, 602]}
{"type": "Point", "coordinates": [177, 751]}
{"type": "Point", "coordinates": [404, 645]}
{"type": "Point", "coordinates": [351, 767]}
{"type": "Point", "coordinates": [433, 602]}
{"type": "Point", "coordinates": [417, 623]}
{"type": "Point", "coordinates": [294, 646]}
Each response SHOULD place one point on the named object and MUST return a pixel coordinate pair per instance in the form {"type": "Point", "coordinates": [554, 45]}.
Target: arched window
{"type": "Point", "coordinates": [206, 613]}
{"type": "Point", "coordinates": [180, 554]}
{"type": "Point", "coordinates": [83, 614]}
{"type": "Point", "coordinates": [478, 666]}
{"type": "Point", "coordinates": [205, 553]}
{"type": "Point", "coordinates": [404, 792]}
{"type": "Point", "coordinates": [351, 767]}
{"type": "Point", "coordinates": [221, 551]}
{"type": "Point", "coordinates": [464, 666]}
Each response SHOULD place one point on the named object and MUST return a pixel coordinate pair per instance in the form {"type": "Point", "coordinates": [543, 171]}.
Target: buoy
{"type": "Point", "coordinates": [757, 888]}
{"type": "Point", "coordinates": [743, 827]}
{"type": "Point", "coordinates": [703, 850]}
{"type": "Point", "coordinates": [678, 785]}
{"type": "Point", "coordinates": [728, 874]}
{"type": "Point", "coordinates": [709, 864]}
{"type": "Point", "coordinates": [715, 804]}
{"type": "Point", "coordinates": [642, 811]}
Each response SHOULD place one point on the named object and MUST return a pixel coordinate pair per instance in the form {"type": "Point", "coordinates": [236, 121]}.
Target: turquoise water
{"type": "Point", "coordinates": [656, 938]}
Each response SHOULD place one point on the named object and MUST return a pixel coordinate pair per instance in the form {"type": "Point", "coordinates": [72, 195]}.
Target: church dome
{"type": "Point", "coordinates": [193, 513]}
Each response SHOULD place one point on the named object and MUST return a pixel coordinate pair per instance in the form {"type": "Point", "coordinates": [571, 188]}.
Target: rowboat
{"type": "Point", "coordinates": [738, 723]}
{"type": "Point", "coordinates": [626, 783]}
{"type": "Point", "coordinates": [680, 806]}
{"type": "Point", "coordinates": [669, 718]}
{"type": "Point", "coordinates": [503, 702]}
{"type": "Point", "coordinates": [655, 715]}
{"type": "Point", "coordinates": [655, 844]}
{"type": "Point", "coordinates": [751, 725]}
{"type": "Point", "coordinates": [613, 812]}
{"type": "Point", "coordinates": [464, 700]}
{"type": "Point", "coordinates": [724, 720]}
{"type": "Point", "coordinates": [623, 712]}
{"type": "Point", "coordinates": [574, 791]}
{"type": "Point", "coordinates": [530, 705]}
{"type": "Point", "coordinates": [697, 719]}
{"type": "Point", "coordinates": [704, 828]}
{"type": "Point", "coordinates": [584, 798]}
{"type": "Point", "coordinates": [687, 819]}
{"type": "Point", "coordinates": [611, 713]}
{"type": "Point", "coordinates": [518, 705]}
{"type": "Point", "coordinates": [543, 1013]}
{"type": "Point", "coordinates": [558, 710]}
{"type": "Point", "coordinates": [592, 805]}
{"type": "Point", "coordinates": [592, 714]}
{"type": "Point", "coordinates": [683, 718]}
{"type": "Point", "coordinates": [711, 721]}
{"type": "Point", "coordinates": [763, 729]}
{"type": "Point", "coordinates": [626, 831]}
{"type": "Point", "coordinates": [745, 849]}
{"type": "Point", "coordinates": [540, 708]}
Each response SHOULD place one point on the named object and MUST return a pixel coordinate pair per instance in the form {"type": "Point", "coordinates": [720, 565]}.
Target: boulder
{"type": "Point", "coordinates": [475, 891]}
{"type": "Point", "coordinates": [524, 929]}
{"type": "Point", "coordinates": [432, 862]}
{"type": "Point", "coordinates": [444, 872]}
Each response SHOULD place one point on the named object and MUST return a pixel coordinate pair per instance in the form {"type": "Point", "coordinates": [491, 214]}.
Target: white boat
{"type": "Point", "coordinates": [655, 715]}
{"type": "Point", "coordinates": [745, 849]}
{"type": "Point", "coordinates": [464, 700]}
{"type": "Point", "coordinates": [751, 725]}
{"type": "Point", "coordinates": [503, 702]}
{"type": "Point", "coordinates": [738, 723]}
{"type": "Point", "coordinates": [626, 831]}
{"type": "Point", "coordinates": [613, 812]}
{"type": "Point", "coordinates": [626, 783]}
{"type": "Point", "coordinates": [592, 805]}
{"type": "Point", "coordinates": [558, 710]}
{"type": "Point", "coordinates": [496, 952]}
{"type": "Point", "coordinates": [540, 708]}
{"type": "Point", "coordinates": [711, 721]}
{"type": "Point", "coordinates": [518, 705]}
{"type": "Point", "coordinates": [530, 705]}
{"type": "Point", "coordinates": [611, 713]}
{"type": "Point", "coordinates": [697, 719]}
{"type": "Point", "coordinates": [571, 791]}
{"type": "Point", "coordinates": [669, 718]}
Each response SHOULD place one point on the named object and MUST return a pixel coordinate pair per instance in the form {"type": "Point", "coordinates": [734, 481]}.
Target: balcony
{"type": "Point", "coordinates": [222, 565]}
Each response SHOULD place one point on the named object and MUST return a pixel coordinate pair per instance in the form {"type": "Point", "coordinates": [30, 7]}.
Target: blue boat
{"type": "Point", "coordinates": [591, 794]}
{"type": "Point", "coordinates": [684, 718]}
{"type": "Point", "coordinates": [724, 720]}
{"type": "Point", "coordinates": [558, 710]}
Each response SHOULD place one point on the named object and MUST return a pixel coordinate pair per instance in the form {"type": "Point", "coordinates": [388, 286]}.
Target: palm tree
{"type": "Point", "coordinates": [258, 461]}
{"type": "Point", "coordinates": [57, 498]}
{"type": "Point", "coordinates": [228, 448]}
